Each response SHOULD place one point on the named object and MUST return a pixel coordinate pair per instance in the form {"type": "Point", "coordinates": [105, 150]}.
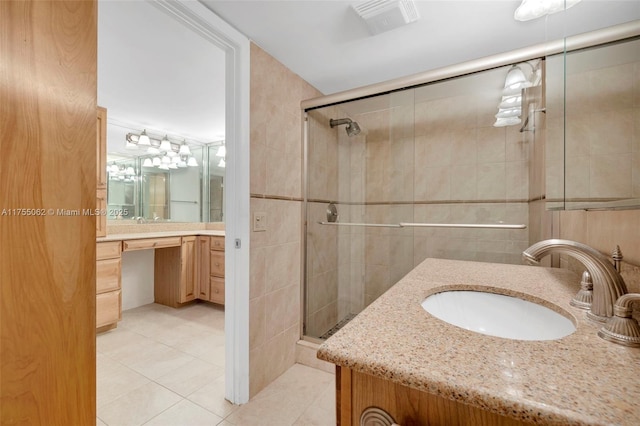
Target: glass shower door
{"type": "Point", "coordinates": [368, 177]}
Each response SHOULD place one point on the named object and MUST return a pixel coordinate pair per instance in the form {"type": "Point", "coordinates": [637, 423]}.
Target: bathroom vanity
{"type": "Point", "coordinates": [422, 370]}
{"type": "Point", "coordinates": [188, 265]}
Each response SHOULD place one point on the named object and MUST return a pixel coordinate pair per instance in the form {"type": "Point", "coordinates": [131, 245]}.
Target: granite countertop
{"type": "Point", "coordinates": [159, 234]}
{"type": "Point", "coordinates": [579, 379]}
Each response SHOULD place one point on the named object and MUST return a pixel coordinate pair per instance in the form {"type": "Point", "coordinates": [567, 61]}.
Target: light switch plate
{"type": "Point", "coordinates": [259, 222]}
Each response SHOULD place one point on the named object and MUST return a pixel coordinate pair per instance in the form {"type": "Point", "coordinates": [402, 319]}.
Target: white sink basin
{"type": "Point", "coordinates": [498, 315]}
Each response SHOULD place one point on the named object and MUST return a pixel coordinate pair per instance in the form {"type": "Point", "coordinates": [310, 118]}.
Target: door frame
{"type": "Point", "coordinates": [236, 46]}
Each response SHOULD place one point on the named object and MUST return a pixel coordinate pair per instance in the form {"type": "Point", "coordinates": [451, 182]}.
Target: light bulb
{"type": "Point", "coordinates": [184, 149]}
{"type": "Point", "coordinates": [144, 139]}
{"type": "Point", "coordinates": [165, 145]}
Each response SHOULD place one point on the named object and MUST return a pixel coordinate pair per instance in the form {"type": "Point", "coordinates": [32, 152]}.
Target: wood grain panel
{"type": "Point", "coordinates": [407, 406]}
{"type": "Point", "coordinates": [47, 262]}
{"type": "Point", "coordinates": [216, 265]}
{"type": "Point", "coordinates": [108, 272]}
{"type": "Point", "coordinates": [189, 270]}
{"type": "Point", "coordinates": [108, 250]}
{"type": "Point", "coordinates": [203, 248]}
{"type": "Point", "coordinates": [151, 243]}
{"type": "Point", "coordinates": [167, 268]}
{"type": "Point", "coordinates": [216, 294]}
{"type": "Point", "coordinates": [108, 308]}
{"type": "Point", "coordinates": [217, 243]}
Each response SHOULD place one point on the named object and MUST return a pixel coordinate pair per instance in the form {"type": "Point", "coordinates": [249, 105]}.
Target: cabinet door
{"type": "Point", "coordinates": [217, 290]}
{"type": "Point", "coordinates": [203, 248]}
{"type": "Point", "coordinates": [188, 270]}
{"type": "Point", "coordinates": [217, 263]}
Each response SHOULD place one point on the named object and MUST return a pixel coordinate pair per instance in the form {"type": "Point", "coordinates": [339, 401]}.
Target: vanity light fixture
{"type": "Point", "coordinates": [222, 163]}
{"type": "Point", "coordinates": [510, 102]}
{"type": "Point", "coordinates": [510, 107]}
{"type": "Point", "coordinates": [184, 149]}
{"type": "Point", "coordinates": [143, 139]}
{"type": "Point", "coordinates": [157, 162]}
{"type": "Point", "coordinates": [515, 81]}
{"type": "Point", "coordinates": [165, 145]}
{"type": "Point", "coordinates": [532, 9]}
{"type": "Point", "coordinates": [510, 112]}
{"type": "Point", "coordinates": [509, 121]}
{"type": "Point", "coordinates": [222, 151]}
{"type": "Point", "coordinates": [192, 162]}
{"type": "Point", "coordinates": [147, 163]}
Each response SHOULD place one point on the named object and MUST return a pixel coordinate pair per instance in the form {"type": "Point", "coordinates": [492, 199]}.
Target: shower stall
{"type": "Point", "coordinates": [421, 172]}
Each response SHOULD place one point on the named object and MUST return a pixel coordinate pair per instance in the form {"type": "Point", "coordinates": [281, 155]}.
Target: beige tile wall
{"type": "Point", "coordinates": [600, 126]}
{"type": "Point", "coordinates": [276, 189]}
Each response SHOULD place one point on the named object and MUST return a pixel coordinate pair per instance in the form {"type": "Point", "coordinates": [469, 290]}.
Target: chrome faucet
{"type": "Point", "coordinates": [608, 284]}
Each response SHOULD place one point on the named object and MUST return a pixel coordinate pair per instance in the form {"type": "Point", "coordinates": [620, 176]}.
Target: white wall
{"type": "Point", "coordinates": [137, 278]}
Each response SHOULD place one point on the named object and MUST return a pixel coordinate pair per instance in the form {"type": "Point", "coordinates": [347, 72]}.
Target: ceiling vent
{"type": "Point", "coordinates": [385, 15]}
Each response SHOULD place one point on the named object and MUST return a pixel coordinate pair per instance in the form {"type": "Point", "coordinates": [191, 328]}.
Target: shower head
{"type": "Point", "coordinates": [352, 127]}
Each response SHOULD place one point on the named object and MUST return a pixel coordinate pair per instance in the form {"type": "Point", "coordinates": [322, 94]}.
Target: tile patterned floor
{"type": "Point", "coordinates": [165, 367]}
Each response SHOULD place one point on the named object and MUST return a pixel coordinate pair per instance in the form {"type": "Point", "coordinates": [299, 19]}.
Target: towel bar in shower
{"type": "Point", "coordinates": [375, 225]}
{"type": "Point", "coordinates": [431, 225]}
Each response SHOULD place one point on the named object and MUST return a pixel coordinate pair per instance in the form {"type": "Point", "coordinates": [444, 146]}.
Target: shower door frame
{"type": "Point", "coordinates": [602, 36]}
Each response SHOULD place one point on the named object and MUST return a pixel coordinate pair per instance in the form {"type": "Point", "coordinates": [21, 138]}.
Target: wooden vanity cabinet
{"type": "Point", "coordinates": [108, 285]}
{"type": "Point", "coordinates": [356, 392]}
{"type": "Point", "coordinates": [210, 257]}
{"type": "Point", "coordinates": [101, 173]}
{"type": "Point", "coordinates": [216, 270]}
{"type": "Point", "coordinates": [175, 268]}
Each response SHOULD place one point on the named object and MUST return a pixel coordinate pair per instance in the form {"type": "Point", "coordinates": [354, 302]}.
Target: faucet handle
{"type": "Point", "coordinates": [584, 297]}
{"type": "Point", "coordinates": [621, 328]}
{"type": "Point", "coordinates": [617, 257]}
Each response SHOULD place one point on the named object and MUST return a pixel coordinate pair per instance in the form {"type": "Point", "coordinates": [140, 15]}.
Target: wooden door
{"type": "Point", "coordinates": [47, 259]}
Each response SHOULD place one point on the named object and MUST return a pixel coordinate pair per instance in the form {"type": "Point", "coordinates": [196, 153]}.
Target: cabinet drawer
{"type": "Point", "coordinates": [108, 308]}
{"type": "Point", "coordinates": [108, 250]}
{"type": "Point", "coordinates": [107, 275]}
{"type": "Point", "coordinates": [151, 243]}
{"type": "Point", "coordinates": [217, 263]}
{"type": "Point", "coordinates": [216, 294]}
{"type": "Point", "coordinates": [217, 243]}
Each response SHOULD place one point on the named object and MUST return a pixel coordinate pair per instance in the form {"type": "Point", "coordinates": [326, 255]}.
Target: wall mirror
{"type": "Point", "coordinates": [147, 82]}
{"type": "Point", "coordinates": [141, 189]}
{"type": "Point", "coordinates": [593, 127]}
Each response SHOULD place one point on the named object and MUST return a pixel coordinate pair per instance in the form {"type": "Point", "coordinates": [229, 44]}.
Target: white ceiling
{"type": "Point", "coordinates": [155, 73]}
{"type": "Point", "coordinates": [327, 44]}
